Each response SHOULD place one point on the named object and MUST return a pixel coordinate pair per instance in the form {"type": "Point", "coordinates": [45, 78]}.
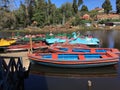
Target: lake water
{"type": "Point", "coordinates": [102, 78]}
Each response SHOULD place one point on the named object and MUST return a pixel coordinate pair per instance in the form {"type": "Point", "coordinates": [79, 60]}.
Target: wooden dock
{"type": "Point", "coordinates": [14, 68]}
{"type": "Point", "coordinates": [19, 54]}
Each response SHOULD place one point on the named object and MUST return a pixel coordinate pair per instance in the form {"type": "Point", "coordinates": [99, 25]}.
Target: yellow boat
{"type": "Point", "coordinates": [4, 42]}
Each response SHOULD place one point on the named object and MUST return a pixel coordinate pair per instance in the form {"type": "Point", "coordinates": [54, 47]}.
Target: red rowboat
{"type": "Point", "coordinates": [70, 60]}
{"type": "Point", "coordinates": [78, 50]}
{"type": "Point", "coordinates": [27, 46]}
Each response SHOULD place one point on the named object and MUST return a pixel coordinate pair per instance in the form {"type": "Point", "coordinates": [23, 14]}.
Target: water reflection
{"type": "Point", "coordinates": [50, 78]}
{"type": "Point", "coordinates": [109, 71]}
{"type": "Point", "coordinates": [104, 78]}
{"type": "Point", "coordinates": [111, 40]}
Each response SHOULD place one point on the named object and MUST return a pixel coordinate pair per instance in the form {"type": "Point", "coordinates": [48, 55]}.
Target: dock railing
{"type": "Point", "coordinates": [12, 73]}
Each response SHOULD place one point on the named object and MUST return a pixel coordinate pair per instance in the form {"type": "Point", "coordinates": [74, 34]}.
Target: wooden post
{"type": "Point", "coordinates": [30, 41]}
{"type": "Point", "coordinates": [31, 44]}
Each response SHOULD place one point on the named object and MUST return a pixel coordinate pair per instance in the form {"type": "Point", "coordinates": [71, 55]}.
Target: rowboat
{"type": "Point", "coordinates": [38, 37]}
{"type": "Point", "coordinates": [67, 45]}
{"type": "Point", "coordinates": [78, 50]}
{"type": "Point", "coordinates": [70, 60]}
{"type": "Point", "coordinates": [21, 47]}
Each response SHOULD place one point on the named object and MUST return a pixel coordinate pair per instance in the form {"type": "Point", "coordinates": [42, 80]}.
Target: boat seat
{"type": "Point", "coordinates": [104, 56]}
{"type": "Point", "coordinates": [112, 54]}
{"type": "Point", "coordinates": [69, 50]}
{"type": "Point", "coordinates": [115, 50]}
{"type": "Point", "coordinates": [80, 50]}
{"type": "Point", "coordinates": [54, 56]}
{"type": "Point", "coordinates": [81, 57]}
{"type": "Point", "coordinates": [93, 51]}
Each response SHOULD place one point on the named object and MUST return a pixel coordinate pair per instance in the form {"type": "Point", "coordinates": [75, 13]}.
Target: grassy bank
{"type": "Point", "coordinates": [36, 30]}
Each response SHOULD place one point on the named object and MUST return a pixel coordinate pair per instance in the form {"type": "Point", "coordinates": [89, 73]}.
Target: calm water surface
{"type": "Point", "coordinates": [103, 78]}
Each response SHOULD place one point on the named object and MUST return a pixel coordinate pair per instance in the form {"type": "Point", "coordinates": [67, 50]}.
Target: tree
{"type": "Point", "coordinates": [76, 5]}
{"type": "Point", "coordinates": [4, 4]}
{"type": "Point", "coordinates": [28, 11]}
{"type": "Point", "coordinates": [84, 8]}
{"type": "Point", "coordinates": [50, 13]}
{"type": "Point", "coordinates": [118, 6]}
{"type": "Point", "coordinates": [67, 11]}
{"type": "Point", "coordinates": [20, 15]}
{"type": "Point", "coordinates": [93, 14]}
{"type": "Point", "coordinates": [39, 15]}
{"type": "Point", "coordinates": [107, 6]}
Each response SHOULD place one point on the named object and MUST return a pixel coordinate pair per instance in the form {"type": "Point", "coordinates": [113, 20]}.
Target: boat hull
{"type": "Point", "coordinates": [26, 46]}
{"type": "Point", "coordinates": [74, 60]}
{"type": "Point", "coordinates": [74, 65]}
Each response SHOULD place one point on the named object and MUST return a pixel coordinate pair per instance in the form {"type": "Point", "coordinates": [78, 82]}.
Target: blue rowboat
{"type": "Point", "coordinates": [69, 60]}
{"type": "Point", "coordinates": [80, 50]}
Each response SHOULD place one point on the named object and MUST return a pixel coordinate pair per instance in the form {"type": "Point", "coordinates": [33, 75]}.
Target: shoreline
{"type": "Point", "coordinates": [61, 29]}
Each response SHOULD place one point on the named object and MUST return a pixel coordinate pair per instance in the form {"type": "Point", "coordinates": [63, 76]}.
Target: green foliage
{"type": "Point", "coordinates": [80, 2]}
{"type": "Point", "coordinates": [84, 8]}
{"type": "Point", "coordinates": [7, 20]}
{"type": "Point", "coordinates": [39, 17]}
{"type": "Point", "coordinates": [93, 14]}
{"type": "Point", "coordinates": [79, 21]}
{"type": "Point", "coordinates": [108, 20]}
{"type": "Point", "coordinates": [102, 21]}
{"type": "Point", "coordinates": [107, 6]}
{"type": "Point", "coordinates": [118, 6]}
{"type": "Point", "coordinates": [20, 15]}
{"type": "Point", "coordinates": [76, 5]}
{"type": "Point", "coordinates": [44, 12]}
{"type": "Point", "coordinates": [66, 11]}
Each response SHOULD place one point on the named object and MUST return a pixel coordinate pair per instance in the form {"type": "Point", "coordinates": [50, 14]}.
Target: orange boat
{"type": "Point", "coordinates": [69, 45]}
{"type": "Point", "coordinates": [70, 60]}
{"type": "Point", "coordinates": [27, 46]}
{"type": "Point", "coordinates": [78, 50]}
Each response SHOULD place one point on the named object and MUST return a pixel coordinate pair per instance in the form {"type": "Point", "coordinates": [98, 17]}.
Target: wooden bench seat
{"type": "Point", "coordinates": [93, 51]}
{"type": "Point", "coordinates": [104, 56]}
{"type": "Point", "coordinates": [54, 56]}
{"type": "Point", "coordinates": [81, 57]}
